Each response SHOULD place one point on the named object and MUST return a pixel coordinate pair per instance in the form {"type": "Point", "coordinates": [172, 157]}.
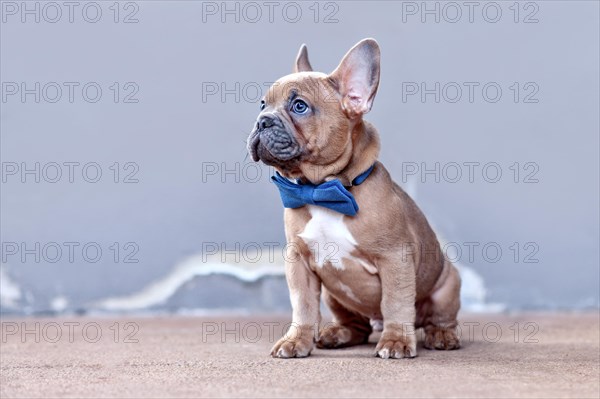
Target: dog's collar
{"type": "Point", "coordinates": [363, 176]}
{"type": "Point", "coordinates": [331, 194]}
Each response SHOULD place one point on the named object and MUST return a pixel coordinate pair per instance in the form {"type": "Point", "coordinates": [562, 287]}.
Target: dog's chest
{"type": "Point", "coordinates": [330, 240]}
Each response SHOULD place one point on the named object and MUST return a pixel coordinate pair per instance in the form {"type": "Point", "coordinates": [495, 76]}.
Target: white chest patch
{"type": "Point", "coordinates": [328, 237]}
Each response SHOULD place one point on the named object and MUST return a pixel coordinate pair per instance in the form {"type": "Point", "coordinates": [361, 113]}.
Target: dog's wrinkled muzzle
{"type": "Point", "coordinates": [271, 142]}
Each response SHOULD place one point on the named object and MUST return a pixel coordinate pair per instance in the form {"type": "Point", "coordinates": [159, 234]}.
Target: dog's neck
{"type": "Point", "coordinates": [361, 153]}
{"type": "Point", "coordinates": [365, 151]}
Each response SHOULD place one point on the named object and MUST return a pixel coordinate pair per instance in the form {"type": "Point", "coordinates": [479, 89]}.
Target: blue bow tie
{"type": "Point", "coordinates": [331, 194]}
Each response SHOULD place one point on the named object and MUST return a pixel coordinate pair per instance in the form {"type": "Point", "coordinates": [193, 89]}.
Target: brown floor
{"type": "Point", "coordinates": [553, 355]}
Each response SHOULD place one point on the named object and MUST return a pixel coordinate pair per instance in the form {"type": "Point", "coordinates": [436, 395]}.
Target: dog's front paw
{"type": "Point", "coordinates": [441, 338]}
{"type": "Point", "coordinates": [297, 342]}
{"type": "Point", "coordinates": [397, 342]}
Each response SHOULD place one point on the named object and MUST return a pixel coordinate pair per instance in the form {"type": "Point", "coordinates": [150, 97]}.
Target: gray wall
{"type": "Point", "coordinates": [178, 132]}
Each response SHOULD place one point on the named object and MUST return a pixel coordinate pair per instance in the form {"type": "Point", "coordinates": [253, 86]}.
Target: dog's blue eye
{"type": "Point", "coordinates": [262, 105]}
{"type": "Point", "coordinates": [299, 107]}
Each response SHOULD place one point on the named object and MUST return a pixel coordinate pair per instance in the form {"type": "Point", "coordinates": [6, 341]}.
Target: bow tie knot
{"type": "Point", "coordinates": [331, 194]}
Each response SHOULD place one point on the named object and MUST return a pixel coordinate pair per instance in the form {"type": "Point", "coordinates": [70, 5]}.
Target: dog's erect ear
{"type": "Point", "coordinates": [302, 64]}
{"type": "Point", "coordinates": [357, 77]}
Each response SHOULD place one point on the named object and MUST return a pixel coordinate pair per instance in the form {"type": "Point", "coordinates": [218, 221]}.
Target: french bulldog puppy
{"type": "Point", "coordinates": [354, 237]}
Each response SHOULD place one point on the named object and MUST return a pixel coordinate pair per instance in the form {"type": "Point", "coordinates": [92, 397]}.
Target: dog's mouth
{"type": "Point", "coordinates": [274, 146]}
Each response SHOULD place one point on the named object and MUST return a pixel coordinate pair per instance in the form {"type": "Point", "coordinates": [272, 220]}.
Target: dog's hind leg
{"type": "Point", "coordinates": [348, 328]}
{"type": "Point", "coordinates": [437, 313]}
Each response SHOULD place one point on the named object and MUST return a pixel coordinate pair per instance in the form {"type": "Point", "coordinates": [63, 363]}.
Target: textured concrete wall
{"type": "Point", "coordinates": [186, 95]}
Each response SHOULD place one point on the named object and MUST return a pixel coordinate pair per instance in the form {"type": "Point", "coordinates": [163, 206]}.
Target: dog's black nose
{"type": "Point", "coordinates": [266, 121]}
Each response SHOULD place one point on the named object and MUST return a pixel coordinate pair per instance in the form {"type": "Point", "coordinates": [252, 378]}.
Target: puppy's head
{"type": "Point", "coordinates": [309, 121]}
